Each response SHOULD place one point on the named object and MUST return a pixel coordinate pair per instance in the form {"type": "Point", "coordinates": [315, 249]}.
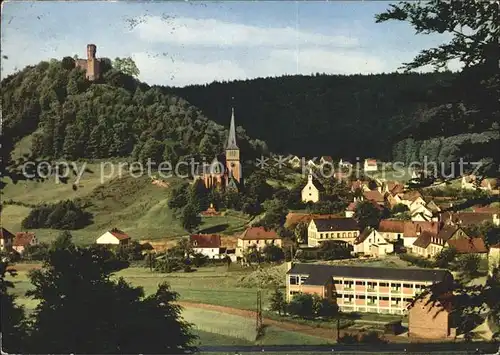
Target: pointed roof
{"type": "Point", "coordinates": [231, 139]}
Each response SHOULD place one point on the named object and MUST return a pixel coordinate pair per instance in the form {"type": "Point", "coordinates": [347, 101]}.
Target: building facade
{"type": "Point", "coordinates": [6, 239]}
{"type": "Point", "coordinates": [257, 237]}
{"type": "Point", "coordinates": [431, 320]}
{"type": "Point", "coordinates": [310, 192]}
{"type": "Point", "coordinates": [91, 65]}
{"type": "Point", "coordinates": [363, 289]}
{"type": "Point", "coordinates": [342, 229]}
{"type": "Point", "coordinates": [114, 237]}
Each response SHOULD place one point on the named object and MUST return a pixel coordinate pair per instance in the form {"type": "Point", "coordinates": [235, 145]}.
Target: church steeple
{"type": "Point", "coordinates": [231, 139]}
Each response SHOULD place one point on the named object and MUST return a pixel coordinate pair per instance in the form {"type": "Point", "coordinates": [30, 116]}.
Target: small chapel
{"type": "Point", "coordinates": [224, 171]}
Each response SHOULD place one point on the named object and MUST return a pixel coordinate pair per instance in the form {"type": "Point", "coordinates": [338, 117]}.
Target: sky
{"type": "Point", "coordinates": [182, 43]}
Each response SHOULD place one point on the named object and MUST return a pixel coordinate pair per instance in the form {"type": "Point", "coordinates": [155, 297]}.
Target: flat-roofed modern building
{"type": "Point", "coordinates": [363, 289]}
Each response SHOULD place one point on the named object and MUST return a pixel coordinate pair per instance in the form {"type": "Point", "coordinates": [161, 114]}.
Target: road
{"type": "Point", "coordinates": [396, 349]}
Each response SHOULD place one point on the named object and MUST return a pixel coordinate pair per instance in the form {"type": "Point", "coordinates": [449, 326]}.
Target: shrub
{"type": "Point", "coordinates": [66, 215]}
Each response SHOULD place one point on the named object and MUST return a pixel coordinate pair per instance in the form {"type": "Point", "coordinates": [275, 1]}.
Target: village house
{"type": "Point", "coordinates": [370, 165]}
{"type": "Point", "coordinates": [363, 289]}
{"type": "Point", "coordinates": [474, 246]}
{"type": "Point", "coordinates": [114, 237]}
{"type": "Point", "coordinates": [422, 214]}
{"type": "Point", "coordinates": [375, 196]}
{"type": "Point", "coordinates": [412, 199]}
{"type": "Point", "coordinates": [412, 230]}
{"type": "Point", "coordinates": [6, 239]}
{"type": "Point", "coordinates": [310, 193]}
{"type": "Point", "coordinates": [391, 230]}
{"type": "Point", "coordinates": [429, 244]}
{"type": "Point", "coordinates": [22, 240]}
{"type": "Point", "coordinates": [208, 245]}
{"type": "Point", "coordinates": [469, 218]}
{"type": "Point", "coordinates": [342, 229]}
{"type": "Point", "coordinates": [294, 162]}
{"type": "Point", "coordinates": [431, 319]}
{"type": "Point", "coordinates": [490, 184]}
{"type": "Point", "coordinates": [371, 242]}
{"type": "Point", "coordinates": [469, 182]}
{"type": "Point", "coordinates": [493, 258]}
{"type": "Point", "coordinates": [258, 237]}
{"type": "Point", "coordinates": [294, 218]}
{"type": "Point", "coordinates": [359, 185]}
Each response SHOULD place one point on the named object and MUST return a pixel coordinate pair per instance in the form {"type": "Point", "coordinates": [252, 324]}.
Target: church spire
{"type": "Point", "coordinates": [231, 139]}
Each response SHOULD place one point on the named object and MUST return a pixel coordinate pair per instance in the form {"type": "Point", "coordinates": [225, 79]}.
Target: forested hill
{"type": "Point", "coordinates": [119, 116]}
{"type": "Point", "coordinates": [341, 116]}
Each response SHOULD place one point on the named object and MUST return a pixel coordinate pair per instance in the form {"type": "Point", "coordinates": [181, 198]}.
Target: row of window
{"type": "Point", "coordinates": [374, 299]}
{"type": "Point", "coordinates": [338, 235]}
{"type": "Point", "coordinates": [374, 284]}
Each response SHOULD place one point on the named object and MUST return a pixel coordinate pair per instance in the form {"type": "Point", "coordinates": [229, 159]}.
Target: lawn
{"type": "Point", "coordinates": [234, 327]}
{"type": "Point", "coordinates": [211, 285]}
{"type": "Point", "coordinates": [133, 205]}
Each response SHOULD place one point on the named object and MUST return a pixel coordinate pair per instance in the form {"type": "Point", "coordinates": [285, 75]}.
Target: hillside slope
{"type": "Point", "coordinates": [118, 116]}
{"type": "Point", "coordinates": [337, 115]}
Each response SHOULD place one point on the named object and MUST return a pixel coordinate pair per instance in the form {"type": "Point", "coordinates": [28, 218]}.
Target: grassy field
{"type": "Point", "coordinates": [211, 285]}
{"type": "Point", "coordinates": [134, 205]}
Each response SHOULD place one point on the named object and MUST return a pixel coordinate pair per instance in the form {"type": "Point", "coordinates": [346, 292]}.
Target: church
{"type": "Point", "coordinates": [224, 171]}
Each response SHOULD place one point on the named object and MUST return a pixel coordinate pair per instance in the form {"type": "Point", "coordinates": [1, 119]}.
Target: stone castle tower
{"type": "Point", "coordinates": [91, 65]}
{"type": "Point", "coordinates": [233, 165]}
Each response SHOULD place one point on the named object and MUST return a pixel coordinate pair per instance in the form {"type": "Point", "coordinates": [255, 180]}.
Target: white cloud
{"type": "Point", "coordinates": [210, 32]}
{"type": "Point", "coordinates": [161, 70]}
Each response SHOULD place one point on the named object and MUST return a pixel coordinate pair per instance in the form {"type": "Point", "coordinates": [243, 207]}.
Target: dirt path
{"type": "Point", "coordinates": [329, 334]}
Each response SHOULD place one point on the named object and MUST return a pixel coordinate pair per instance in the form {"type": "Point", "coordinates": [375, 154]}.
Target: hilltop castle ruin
{"type": "Point", "coordinates": [91, 65]}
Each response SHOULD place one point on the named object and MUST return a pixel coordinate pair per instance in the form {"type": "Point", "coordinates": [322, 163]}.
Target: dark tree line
{"type": "Point", "coordinates": [62, 215]}
{"type": "Point", "coordinates": [314, 115]}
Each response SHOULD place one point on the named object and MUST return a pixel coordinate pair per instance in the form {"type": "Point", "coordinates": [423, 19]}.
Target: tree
{"type": "Point", "coordinates": [273, 253]}
{"type": "Point", "coordinates": [469, 102]}
{"type": "Point", "coordinates": [63, 241]}
{"type": "Point", "coordinates": [126, 66]}
{"type": "Point", "coordinates": [13, 326]}
{"type": "Point", "coordinates": [334, 249]}
{"type": "Point", "coordinates": [190, 218]}
{"type": "Point", "coordinates": [277, 301]}
{"type": "Point", "coordinates": [253, 255]}
{"type": "Point", "coordinates": [368, 215]}
{"type": "Point", "coordinates": [275, 216]}
{"type": "Point", "coordinates": [468, 265]}
{"type": "Point", "coordinates": [445, 257]}
{"type": "Point", "coordinates": [74, 290]}
{"type": "Point", "coordinates": [399, 208]}
{"type": "Point", "coordinates": [301, 305]}
{"type": "Point", "coordinates": [300, 232]}
{"type": "Point", "coordinates": [324, 307]}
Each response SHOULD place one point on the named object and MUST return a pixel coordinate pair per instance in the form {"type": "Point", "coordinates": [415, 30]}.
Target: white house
{"type": "Point", "coordinates": [310, 192]}
{"type": "Point", "coordinates": [114, 237]}
{"type": "Point", "coordinates": [370, 165]}
{"type": "Point", "coordinates": [421, 213]}
{"type": "Point", "coordinates": [294, 162]}
{"type": "Point", "coordinates": [340, 229]}
{"type": "Point", "coordinates": [371, 242]}
{"type": "Point", "coordinates": [469, 182]}
{"type": "Point", "coordinates": [207, 244]}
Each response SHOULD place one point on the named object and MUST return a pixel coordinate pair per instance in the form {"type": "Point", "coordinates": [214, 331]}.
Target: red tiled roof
{"type": "Point", "coordinates": [411, 228]}
{"type": "Point", "coordinates": [447, 232]}
{"type": "Point", "coordinates": [5, 234]}
{"type": "Point", "coordinates": [23, 239]}
{"type": "Point", "coordinates": [293, 218]}
{"type": "Point", "coordinates": [259, 233]}
{"type": "Point", "coordinates": [411, 195]}
{"type": "Point", "coordinates": [468, 245]}
{"type": "Point", "coordinates": [205, 240]}
{"type": "Point", "coordinates": [466, 218]}
{"type": "Point", "coordinates": [352, 206]}
{"type": "Point", "coordinates": [374, 195]}
{"type": "Point", "coordinates": [118, 234]}
{"type": "Point", "coordinates": [371, 162]}
{"type": "Point", "coordinates": [423, 240]}
{"type": "Point", "coordinates": [391, 226]}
